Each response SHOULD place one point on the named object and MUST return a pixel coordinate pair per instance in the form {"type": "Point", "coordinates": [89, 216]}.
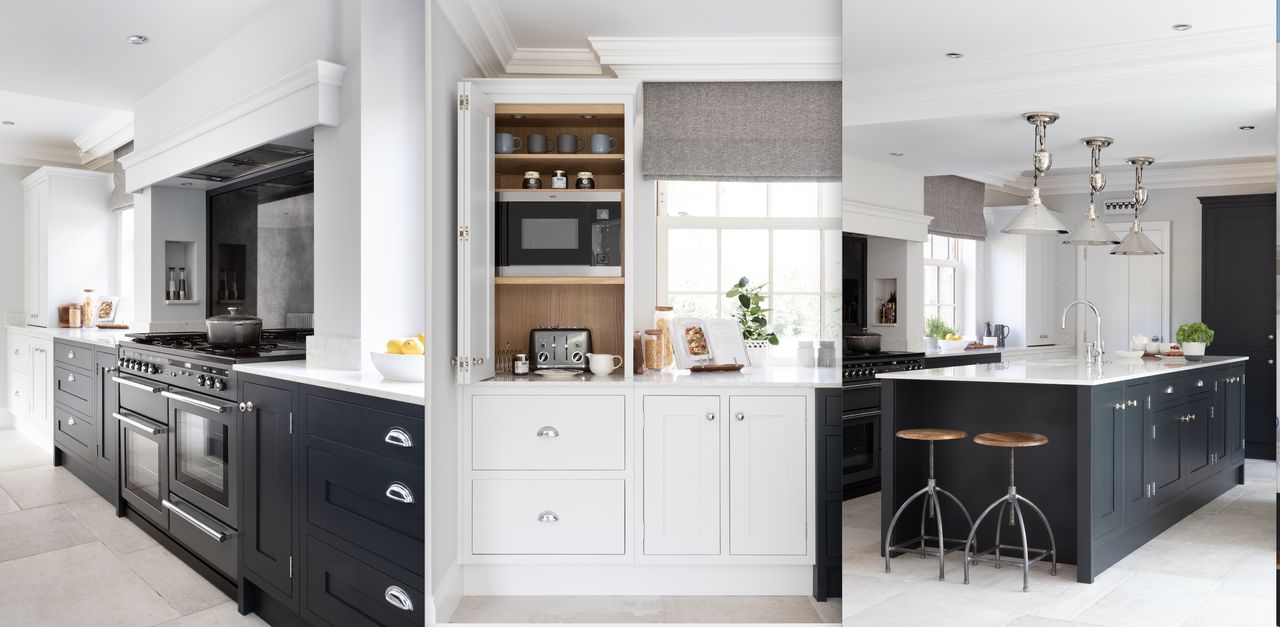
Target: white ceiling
{"type": "Point", "coordinates": [1109, 68]}
{"type": "Point", "coordinates": [568, 23]}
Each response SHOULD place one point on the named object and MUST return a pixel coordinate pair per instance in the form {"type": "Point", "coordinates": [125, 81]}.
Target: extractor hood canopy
{"type": "Point", "coordinates": [249, 162]}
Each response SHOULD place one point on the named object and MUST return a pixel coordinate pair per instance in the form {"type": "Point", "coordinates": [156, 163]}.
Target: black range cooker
{"type": "Point", "coordinates": [861, 415]}
{"type": "Point", "coordinates": [180, 429]}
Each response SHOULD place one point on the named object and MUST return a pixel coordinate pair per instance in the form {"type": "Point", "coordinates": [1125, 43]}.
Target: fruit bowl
{"type": "Point", "coordinates": [952, 346]}
{"type": "Point", "coordinates": [412, 368]}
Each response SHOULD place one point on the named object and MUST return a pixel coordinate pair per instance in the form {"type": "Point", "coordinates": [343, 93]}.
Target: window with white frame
{"type": "Point", "coordinates": [784, 235]}
{"type": "Point", "coordinates": [944, 279]}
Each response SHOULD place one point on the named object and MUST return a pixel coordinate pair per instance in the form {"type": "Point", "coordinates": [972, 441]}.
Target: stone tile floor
{"type": "Point", "coordinates": [65, 559]}
{"type": "Point", "coordinates": [1212, 568]}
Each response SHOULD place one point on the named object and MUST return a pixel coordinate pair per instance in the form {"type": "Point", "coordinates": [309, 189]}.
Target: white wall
{"type": "Point", "coordinates": [904, 261]}
{"type": "Point", "coordinates": [449, 63]}
{"type": "Point", "coordinates": [12, 267]}
{"type": "Point", "coordinates": [882, 185]}
{"type": "Point", "coordinates": [168, 214]}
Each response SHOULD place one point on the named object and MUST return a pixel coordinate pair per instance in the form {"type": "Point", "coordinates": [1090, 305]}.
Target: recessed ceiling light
{"type": "Point", "coordinates": [6, 122]}
{"type": "Point", "coordinates": [1246, 127]}
{"type": "Point", "coordinates": [1181, 27]}
{"type": "Point", "coordinates": [895, 154]}
{"type": "Point", "coordinates": [954, 55]}
{"type": "Point", "coordinates": [137, 40]}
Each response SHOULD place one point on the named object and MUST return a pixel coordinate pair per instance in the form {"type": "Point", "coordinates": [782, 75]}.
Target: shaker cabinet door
{"type": "Point", "coordinates": [682, 461]}
{"type": "Point", "coordinates": [268, 487]}
{"type": "Point", "coordinates": [475, 235]}
{"type": "Point", "coordinates": [767, 468]}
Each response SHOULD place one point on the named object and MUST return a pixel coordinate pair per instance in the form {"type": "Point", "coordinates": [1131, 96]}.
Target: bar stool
{"type": "Point", "coordinates": [1011, 440]}
{"type": "Point", "coordinates": [930, 509]}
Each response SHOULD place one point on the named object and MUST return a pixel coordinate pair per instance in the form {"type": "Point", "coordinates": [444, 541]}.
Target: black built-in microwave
{"type": "Point", "coordinates": [550, 233]}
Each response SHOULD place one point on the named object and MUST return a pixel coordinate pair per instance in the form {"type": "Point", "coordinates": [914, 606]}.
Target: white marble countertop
{"type": "Point", "coordinates": [1059, 371]}
{"type": "Point", "coordinates": [1007, 352]}
{"type": "Point", "coordinates": [368, 383]}
{"type": "Point", "coordinates": [103, 337]}
{"type": "Point", "coordinates": [784, 377]}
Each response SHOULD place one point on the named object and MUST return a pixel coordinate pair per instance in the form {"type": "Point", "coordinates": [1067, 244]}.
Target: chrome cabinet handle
{"type": "Point", "coordinates": [192, 401]}
{"type": "Point", "coordinates": [396, 596]}
{"type": "Point", "coordinates": [711, 415]}
{"type": "Point", "coordinates": [246, 406]}
{"type": "Point", "coordinates": [217, 536]}
{"type": "Point", "coordinates": [71, 378]}
{"type": "Point", "coordinates": [1133, 403]}
{"type": "Point", "coordinates": [1168, 390]}
{"type": "Point", "coordinates": [548, 517]}
{"type": "Point", "coordinates": [71, 354]}
{"type": "Point", "coordinates": [399, 492]}
{"type": "Point", "coordinates": [1119, 406]}
{"type": "Point", "coordinates": [71, 420]}
{"type": "Point", "coordinates": [398, 437]}
{"type": "Point", "coordinates": [150, 389]}
{"type": "Point", "coordinates": [138, 423]}
{"type": "Point", "coordinates": [740, 416]}
{"type": "Point", "coordinates": [548, 432]}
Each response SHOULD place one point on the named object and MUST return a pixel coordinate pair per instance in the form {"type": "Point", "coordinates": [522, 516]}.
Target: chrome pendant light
{"type": "Point", "coordinates": [1091, 231]}
{"type": "Point", "coordinates": [1137, 242]}
{"type": "Point", "coordinates": [1035, 218]}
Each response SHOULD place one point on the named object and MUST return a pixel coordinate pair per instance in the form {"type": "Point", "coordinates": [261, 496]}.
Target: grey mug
{"type": "Point", "coordinates": [568, 144]}
{"type": "Point", "coordinates": [603, 144]}
{"type": "Point", "coordinates": [506, 143]}
{"type": "Point", "coordinates": [536, 143]}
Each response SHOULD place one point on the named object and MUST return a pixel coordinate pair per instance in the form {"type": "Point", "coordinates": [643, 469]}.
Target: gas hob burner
{"type": "Point", "coordinates": [277, 344]}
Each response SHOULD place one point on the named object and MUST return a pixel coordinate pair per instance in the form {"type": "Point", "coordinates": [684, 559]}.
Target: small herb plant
{"type": "Point", "coordinates": [935, 327]}
{"type": "Point", "coordinates": [1195, 332]}
{"type": "Point", "coordinates": [751, 311]}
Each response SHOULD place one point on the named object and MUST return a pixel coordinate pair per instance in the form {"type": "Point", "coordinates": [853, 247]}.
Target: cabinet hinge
{"type": "Point", "coordinates": [1148, 401]}
{"type": "Point", "coordinates": [291, 567]}
{"type": "Point", "coordinates": [1215, 385]}
{"type": "Point", "coordinates": [464, 102]}
{"type": "Point", "coordinates": [1241, 442]}
{"type": "Point", "coordinates": [290, 426]}
{"type": "Point", "coordinates": [464, 233]}
{"type": "Point", "coordinates": [1212, 413]}
{"type": "Point", "coordinates": [1153, 432]}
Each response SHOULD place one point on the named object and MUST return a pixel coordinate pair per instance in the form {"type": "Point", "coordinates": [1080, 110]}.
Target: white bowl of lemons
{"type": "Point", "coordinates": [403, 360]}
{"type": "Point", "coordinates": [952, 344]}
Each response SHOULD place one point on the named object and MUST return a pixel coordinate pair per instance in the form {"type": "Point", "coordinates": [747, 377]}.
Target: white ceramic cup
{"type": "Point", "coordinates": [602, 364]}
{"type": "Point", "coordinates": [989, 340]}
{"type": "Point", "coordinates": [1138, 342]}
{"type": "Point", "coordinates": [1152, 347]}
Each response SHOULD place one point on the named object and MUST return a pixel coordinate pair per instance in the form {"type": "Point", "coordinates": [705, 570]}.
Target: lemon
{"type": "Point", "coordinates": [412, 346]}
{"type": "Point", "coordinates": [393, 347]}
{"type": "Point", "coordinates": [422, 337]}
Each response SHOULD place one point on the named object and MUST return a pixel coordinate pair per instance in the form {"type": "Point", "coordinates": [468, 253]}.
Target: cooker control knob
{"type": "Point", "coordinates": [218, 384]}
{"type": "Point", "coordinates": [120, 363]}
{"type": "Point", "coordinates": [153, 369]}
{"type": "Point", "coordinates": [200, 380]}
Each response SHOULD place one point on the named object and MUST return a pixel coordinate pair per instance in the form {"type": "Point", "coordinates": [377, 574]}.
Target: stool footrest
{"type": "Point", "coordinates": [1015, 557]}
{"type": "Point", "coordinates": [930, 546]}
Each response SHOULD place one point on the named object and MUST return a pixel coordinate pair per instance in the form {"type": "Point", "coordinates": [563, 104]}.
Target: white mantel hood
{"type": "Point", "coordinates": [867, 219]}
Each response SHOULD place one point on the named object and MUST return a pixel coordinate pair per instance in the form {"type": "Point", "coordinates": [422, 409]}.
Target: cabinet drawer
{"type": "Point", "coordinates": [73, 432]}
{"type": "Point", "coordinates": [73, 355]}
{"type": "Point", "coordinates": [73, 389]}
{"type": "Point", "coordinates": [548, 517]}
{"type": "Point", "coordinates": [394, 436]}
{"type": "Point", "coordinates": [1200, 381]}
{"type": "Point", "coordinates": [1170, 390]}
{"type": "Point", "coordinates": [351, 500]}
{"type": "Point", "coordinates": [343, 590]}
{"type": "Point", "coordinates": [548, 433]}
{"type": "Point", "coordinates": [19, 391]}
{"type": "Point", "coordinates": [19, 348]}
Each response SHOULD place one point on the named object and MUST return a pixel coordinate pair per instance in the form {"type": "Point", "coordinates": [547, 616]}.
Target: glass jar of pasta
{"type": "Point", "coordinates": [654, 354]}
{"type": "Point", "coordinates": [664, 318]}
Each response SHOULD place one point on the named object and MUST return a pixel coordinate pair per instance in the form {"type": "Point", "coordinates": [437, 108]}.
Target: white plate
{"type": "Point", "coordinates": [558, 373]}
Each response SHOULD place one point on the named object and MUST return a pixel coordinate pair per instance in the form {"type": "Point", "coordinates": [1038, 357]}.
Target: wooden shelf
{"type": "Point", "coordinates": [558, 191]}
{"type": "Point", "coordinates": [518, 163]}
{"type": "Point", "coordinates": [559, 280]}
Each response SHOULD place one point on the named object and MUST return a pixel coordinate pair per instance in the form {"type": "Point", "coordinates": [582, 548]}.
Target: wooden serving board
{"type": "Point", "coordinates": [720, 368]}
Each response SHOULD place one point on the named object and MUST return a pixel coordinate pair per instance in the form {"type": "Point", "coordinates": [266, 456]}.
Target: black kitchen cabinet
{"type": "Point", "coordinates": [961, 359]}
{"type": "Point", "coordinates": [344, 590]}
{"type": "Point", "coordinates": [107, 456]}
{"type": "Point", "coordinates": [1138, 447]}
{"type": "Point", "coordinates": [830, 492]}
{"type": "Point", "coordinates": [1197, 442]}
{"type": "Point", "coordinates": [269, 486]}
{"type": "Point", "coordinates": [85, 439]}
{"type": "Point", "coordinates": [1232, 407]}
{"type": "Point", "coordinates": [1107, 490]}
{"type": "Point", "coordinates": [1166, 468]}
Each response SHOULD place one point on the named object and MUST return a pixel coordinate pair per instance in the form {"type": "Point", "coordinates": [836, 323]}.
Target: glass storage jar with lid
{"type": "Point", "coordinates": [654, 353]}
{"type": "Point", "coordinates": [585, 181]}
{"type": "Point", "coordinates": [532, 180]}
{"type": "Point", "coordinates": [664, 318]}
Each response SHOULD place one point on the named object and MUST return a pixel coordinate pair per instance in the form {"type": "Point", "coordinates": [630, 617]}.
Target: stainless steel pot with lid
{"type": "Point", "coordinates": [234, 329]}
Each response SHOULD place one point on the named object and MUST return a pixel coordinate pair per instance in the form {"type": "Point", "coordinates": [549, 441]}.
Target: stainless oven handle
{"type": "Point", "coordinates": [863, 414]}
{"type": "Point", "coordinates": [862, 386]}
{"type": "Point", "coordinates": [217, 536]}
{"type": "Point", "coordinates": [150, 389]}
{"type": "Point", "coordinates": [138, 423]}
{"type": "Point", "coordinates": [198, 403]}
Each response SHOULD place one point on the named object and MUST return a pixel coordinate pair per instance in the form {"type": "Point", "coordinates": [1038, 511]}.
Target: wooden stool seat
{"type": "Point", "coordinates": [931, 435]}
{"type": "Point", "coordinates": [1011, 439]}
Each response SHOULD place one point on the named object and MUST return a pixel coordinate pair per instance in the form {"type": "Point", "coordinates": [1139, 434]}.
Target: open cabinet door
{"type": "Point", "coordinates": [475, 235]}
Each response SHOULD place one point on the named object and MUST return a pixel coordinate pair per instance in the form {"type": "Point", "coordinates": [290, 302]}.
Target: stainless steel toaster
{"type": "Point", "coordinates": [559, 348]}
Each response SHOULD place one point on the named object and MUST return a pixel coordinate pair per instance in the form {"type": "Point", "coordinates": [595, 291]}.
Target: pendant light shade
{"type": "Point", "coordinates": [1035, 218]}
{"type": "Point", "coordinates": [1091, 231]}
{"type": "Point", "coordinates": [1137, 242]}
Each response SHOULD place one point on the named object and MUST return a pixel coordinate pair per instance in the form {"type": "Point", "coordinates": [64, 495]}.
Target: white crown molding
{"type": "Point", "coordinates": [102, 139]}
{"type": "Point", "coordinates": [42, 175]}
{"type": "Point", "coordinates": [1169, 66]}
{"type": "Point", "coordinates": [577, 61]}
{"type": "Point", "coordinates": [1170, 176]}
{"type": "Point", "coordinates": [721, 58]}
{"type": "Point", "coordinates": [35, 156]}
{"type": "Point", "coordinates": [483, 31]}
{"type": "Point", "coordinates": [868, 219]}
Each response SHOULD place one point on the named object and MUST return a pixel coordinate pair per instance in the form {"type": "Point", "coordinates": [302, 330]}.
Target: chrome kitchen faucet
{"type": "Point", "coordinates": [1093, 352]}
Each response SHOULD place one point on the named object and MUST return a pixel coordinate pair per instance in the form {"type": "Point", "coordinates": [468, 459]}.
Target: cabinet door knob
{"type": "Point", "coordinates": [548, 517]}
{"type": "Point", "coordinates": [396, 596]}
{"type": "Point", "coordinates": [1133, 403]}
{"type": "Point", "coordinates": [739, 416]}
{"type": "Point", "coordinates": [399, 492]}
{"type": "Point", "coordinates": [1119, 406]}
{"type": "Point", "coordinates": [398, 437]}
{"type": "Point", "coordinates": [246, 406]}
{"type": "Point", "coordinates": [548, 432]}
{"type": "Point", "coordinates": [711, 415]}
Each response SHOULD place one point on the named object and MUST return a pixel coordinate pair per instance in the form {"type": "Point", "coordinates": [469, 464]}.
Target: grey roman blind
{"type": "Point", "coordinates": [768, 131]}
{"type": "Point", "coordinates": [956, 206]}
{"type": "Point", "coordinates": [119, 197]}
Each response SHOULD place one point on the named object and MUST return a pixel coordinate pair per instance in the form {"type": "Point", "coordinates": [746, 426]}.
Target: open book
{"type": "Point", "coordinates": [699, 342]}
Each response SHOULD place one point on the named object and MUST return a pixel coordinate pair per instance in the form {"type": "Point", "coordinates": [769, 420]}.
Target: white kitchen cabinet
{"type": "Point", "coordinates": [1132, 292]}
{"type": "Point", "coordinates": [549, 517]}
{"type": "Point", "coordinates": [30, 394]}
{"type": "Point", "coordinates": [67, 239]}
{"type": "Point", "coordinates": [1022, 271]}
{"type": "Point", "coordinates": [530, 432]}
{"type": "Point", "coordinates": [767, 468]}
{"type": "Point", "coordinates": [682, 475]}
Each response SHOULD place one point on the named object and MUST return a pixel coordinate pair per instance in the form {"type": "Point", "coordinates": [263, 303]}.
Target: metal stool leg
{"type": "Point", "coordinates": [942, 551]}
{"type": "Point", "coordinates": [999, 526]}
{"type": "Point", "coordinates": [1026, 553]}
{"type": "Point", "coordinates": [973, 532]}
{"type": "Point", "coordinates": [888, 534]}
{"type": "Point", "coordinates": [958, 504]}
{"type": "Point", "coordinates": [1053, 546]}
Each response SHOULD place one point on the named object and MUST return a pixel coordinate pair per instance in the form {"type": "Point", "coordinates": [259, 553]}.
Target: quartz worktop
{"type": "Point", "coordinates": [368, 383]}
{"type": "Point", "coordinates": [1006, 353]}
{"type": "Point", "coordinates": [102, 337]}
{"type": "Point", "coordinates": [779, 377]}
{"type": "Point", "coordinates": [1060, 371]}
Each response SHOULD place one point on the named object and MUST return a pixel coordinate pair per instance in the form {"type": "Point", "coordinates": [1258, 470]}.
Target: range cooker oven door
{"type": "Point", "coordinates": [144, 453]}
{"type": "Point", "coordinates": [203, 456]}
{"type": "Point", "coordinates": [860, 460]}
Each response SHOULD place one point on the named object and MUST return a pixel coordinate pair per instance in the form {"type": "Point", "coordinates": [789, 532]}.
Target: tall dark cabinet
{"type": "Point", "coordinates": [1238, 301]}
{"type": "Point", "coordinates": [854, 285]}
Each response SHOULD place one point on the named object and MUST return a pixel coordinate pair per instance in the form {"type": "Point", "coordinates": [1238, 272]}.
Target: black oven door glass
{"type": "Point", "coordinates": [201, 455]}
{"type": "Point", "coordinates": [861, 446]}
{"type": "Point", "coordinates": [142, 469]}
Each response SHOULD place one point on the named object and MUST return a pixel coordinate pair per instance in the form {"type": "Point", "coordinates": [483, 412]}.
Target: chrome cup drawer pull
{"type": "Point", "coordinates": [71, 354]}
{"type": "Point", "coordinates": [548, 432]}
{"type": "Point", "coordinates": [399, 492]}
{"type": "Point", "coordinates": [548, 517]}
{"type": "Point", "coordinates": [71, 420]}
{"type": "Point", "coordinates": [1199, 383]}
{"type": "Point", "coordinates": [398, 437]}
{"type": "Point", "coordinates": [1168, 390]}
{"type": "Point", "coordinates": [396, 596]}
{"type": "Point", "coordinates": [71, 378]}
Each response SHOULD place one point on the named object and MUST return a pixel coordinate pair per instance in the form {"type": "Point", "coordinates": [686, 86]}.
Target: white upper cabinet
{"type": "Point", "coordinates": [682, 475]}
{"type": "Point", "coordinates": [67, 243]}
{"type": "Point", "coordinates": [767, 468]}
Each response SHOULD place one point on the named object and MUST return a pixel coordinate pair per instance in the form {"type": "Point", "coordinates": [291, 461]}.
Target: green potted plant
{"type": "Point", "coordinates": [1193, 338]}
{"type": "Point", "coordinates": [935, 329]}
{"type": "Point", "coordinates": [752, 321]}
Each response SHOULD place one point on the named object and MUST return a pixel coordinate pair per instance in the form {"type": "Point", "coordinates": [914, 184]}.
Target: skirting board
{"type": "Point", "coordinates": [446, 597]}
{"type": "Point", "coordinates": [42, 438]}
{"type": "Point", "coordinates": [637, 579]}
